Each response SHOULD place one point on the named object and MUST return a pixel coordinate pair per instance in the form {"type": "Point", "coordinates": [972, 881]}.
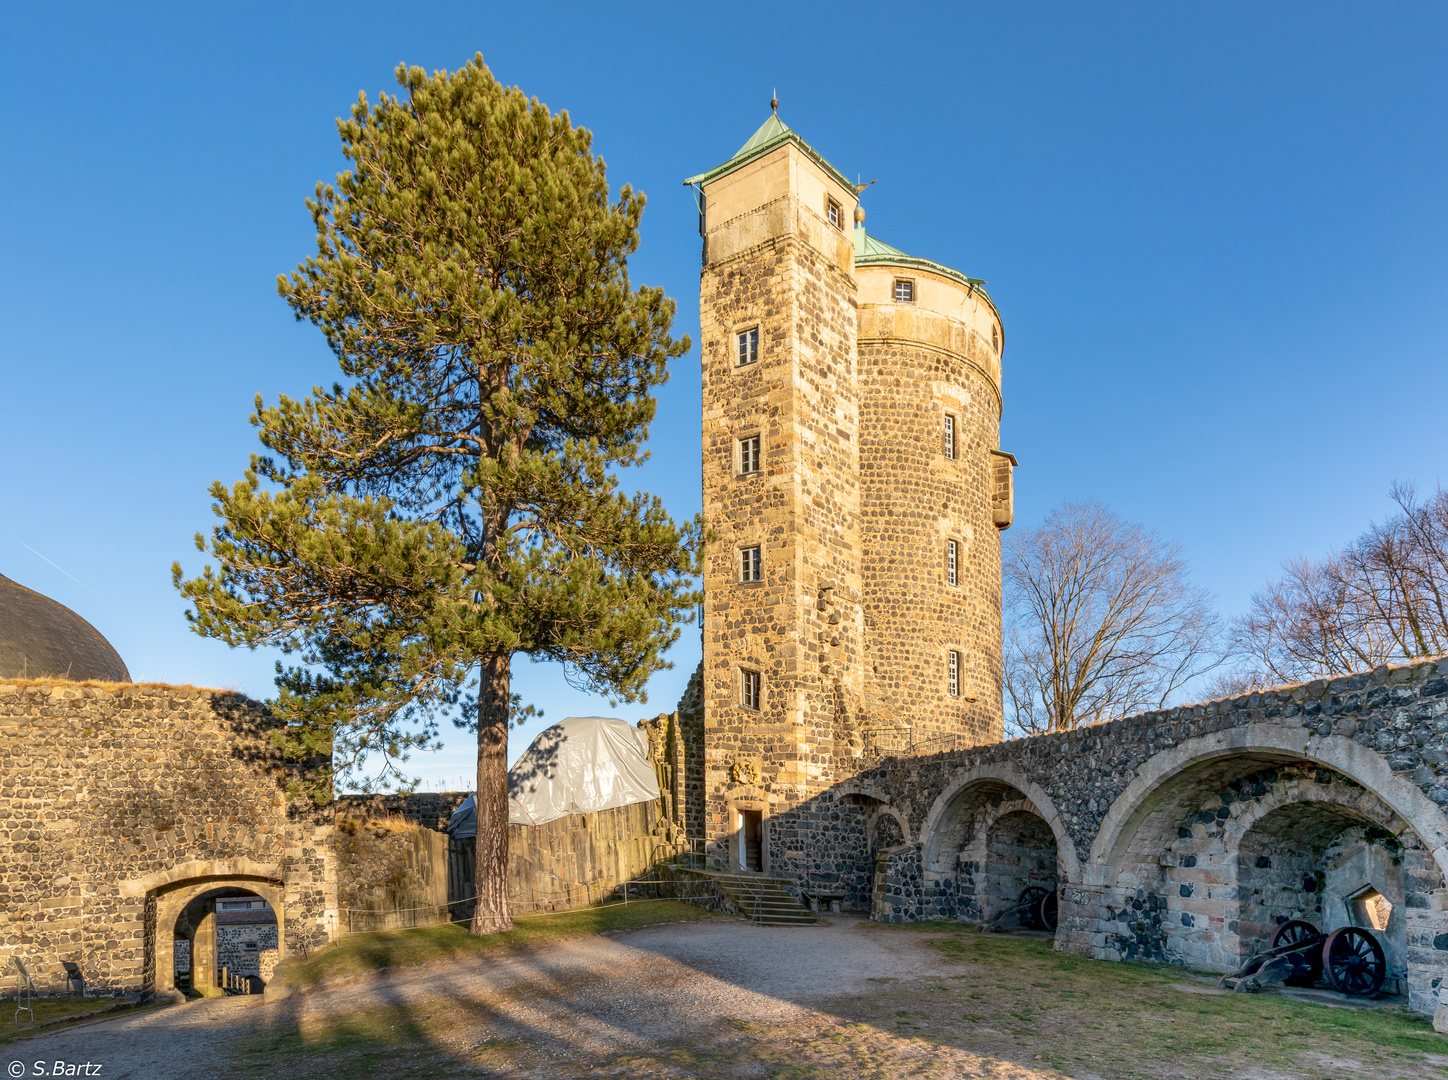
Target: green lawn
{"type": "Point", "coordinates": [358, 953]}
{"type": "Point", "coordinates": [1144, 1019]}
{"type": "Point", "coordinates": [994, 1007]}
{"type": "Point", "coordinates": [56, 1008]}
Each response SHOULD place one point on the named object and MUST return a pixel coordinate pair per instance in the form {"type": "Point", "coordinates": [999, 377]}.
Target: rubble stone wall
{"type": "Point", "coordinates": [915, 500]}
{"type": "Point", "coordinates": [1182, 836]}
{"type": "Point", "coordinates": [118, 799]}
{"type": "Point", "coordinates": [782, 269]}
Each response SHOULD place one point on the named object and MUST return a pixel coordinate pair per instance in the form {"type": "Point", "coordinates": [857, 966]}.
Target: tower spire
{"type": "Point", "coordinates": [774, 101]}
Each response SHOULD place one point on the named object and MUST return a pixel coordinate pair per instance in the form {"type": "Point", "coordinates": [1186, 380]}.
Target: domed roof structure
{"type": "Point", "coordinates": [43, 639]}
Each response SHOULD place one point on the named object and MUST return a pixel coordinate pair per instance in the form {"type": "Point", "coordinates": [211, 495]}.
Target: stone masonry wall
{"type": "Point", "coordinates": [914, 499]}
{"type": "Point", "coordinates": [111, 795]}
{"type": "Point", "coordinates": [800, 626]}
{"type": "Point", "coordinates": [1185, 835]}
{"type": "Point", "coordinates": [1401, 713]}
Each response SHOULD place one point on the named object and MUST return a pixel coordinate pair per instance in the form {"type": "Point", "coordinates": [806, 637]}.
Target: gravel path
{"type": "Point", "coordinates": [570, 1001]}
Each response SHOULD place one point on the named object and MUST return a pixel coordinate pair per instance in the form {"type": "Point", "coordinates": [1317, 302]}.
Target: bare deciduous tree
{"type": "Point", "coordinates": [1382, 599]}
{"type": "Point", "coordinates": [1101, 621]}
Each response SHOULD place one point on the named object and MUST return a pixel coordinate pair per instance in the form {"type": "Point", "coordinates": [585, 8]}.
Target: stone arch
{"type": "Point", "coordinates": [1267, 743]}
{"type": "Point", "coordinates": [200, 869]}
{"type": "Point", "coordinates": [1221, 839]}
{"type": "Point", "coordinates": [1307, 858]}
{"type": "Point", "coordinates": [166, 903]}
{"type": "Point", "coordinates": [1012, 849]}
{"type": "Point", "coordinates": [871, 823]}
{"type": "Point", "coordinates": [939, 831]}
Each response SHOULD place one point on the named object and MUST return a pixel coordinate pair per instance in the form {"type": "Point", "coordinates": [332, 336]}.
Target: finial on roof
{"type": "Point", "coordinates": [774, 101]}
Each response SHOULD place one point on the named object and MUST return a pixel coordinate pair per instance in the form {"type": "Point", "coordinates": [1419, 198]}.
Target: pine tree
{"type": "Point", "coordinates": [456, 503]}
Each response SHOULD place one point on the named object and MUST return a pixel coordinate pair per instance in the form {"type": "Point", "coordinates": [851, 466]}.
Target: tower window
{"type": "Point", "coordinates": [904, 291]}
{"type": "Point", "coordinates": [749, 564]}
{"type": "Point", "coordinates": [995, 338]}
{"type": "Point", "coordinates": [750, 689]}
{"type": "Point", "coordinates": [833, 213]}
{"type": "Point", "coordinates": [952, 562]}
{"type": "Point", "coordinates": [948, 438]}
{"type": "Point", "coordinates": [749, 455]}
{"type": "Point", "coordinates": [748, 346]}
{"type": "Point", "coordinates": [954, 673]}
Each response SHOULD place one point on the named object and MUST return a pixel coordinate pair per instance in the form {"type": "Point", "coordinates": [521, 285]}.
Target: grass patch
{"type": "Point", "coordinates": [1150, 1019]}
{"type": "Point", "coordinates": [50, 1010]}
{"type": "Point", "coordinates": [993, 1007]}
{"type": "Point", "coordinates": [358, 953]}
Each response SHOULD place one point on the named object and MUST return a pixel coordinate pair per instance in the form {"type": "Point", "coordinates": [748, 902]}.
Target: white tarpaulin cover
{"type": "Point", "coordinates": [584, 764]}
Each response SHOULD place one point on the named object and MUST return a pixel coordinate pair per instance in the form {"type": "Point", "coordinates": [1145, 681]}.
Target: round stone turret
{"type": "Point", "coordinates": [934, 494]}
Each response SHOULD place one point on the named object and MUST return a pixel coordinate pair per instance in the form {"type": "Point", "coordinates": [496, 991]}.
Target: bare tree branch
{"type": "Point", "coordinates": [1381, 600]}
{"type": "Point", "coordinates": [1101, 621]}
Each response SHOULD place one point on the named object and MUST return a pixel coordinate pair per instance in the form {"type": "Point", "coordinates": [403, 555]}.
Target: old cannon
{"type": "Point", "coordinates": [1037, 908]}
{"type": "Point", "coordinates": [1349, 960]}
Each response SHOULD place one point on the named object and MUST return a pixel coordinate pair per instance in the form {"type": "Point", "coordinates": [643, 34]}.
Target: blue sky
{"type": "Point", "coordinates": [1218, 236]}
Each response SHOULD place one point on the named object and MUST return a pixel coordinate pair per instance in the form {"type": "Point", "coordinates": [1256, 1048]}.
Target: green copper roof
{"type": "Point", "coordinates": [872, 251]}
{"type": "Point", "coordinates": [773, 133]}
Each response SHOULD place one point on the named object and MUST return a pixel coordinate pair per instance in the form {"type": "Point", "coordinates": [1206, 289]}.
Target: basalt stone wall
{"type": "Point", "coordinates": [117, 798]}
{"type": "Point", "coordinates": [825, 844]}
{"type": "Point", "coordinates": [390, 873]}
{"type": "Point", "coordinates": [430, 809]}
{"type": "Point", "coordinates": [1400, 713]}
{"type": "Point", "coordinates": [1188, 835]}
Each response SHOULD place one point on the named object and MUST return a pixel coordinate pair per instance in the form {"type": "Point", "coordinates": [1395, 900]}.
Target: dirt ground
{"type": "Point", "coordinates": [728, 999]}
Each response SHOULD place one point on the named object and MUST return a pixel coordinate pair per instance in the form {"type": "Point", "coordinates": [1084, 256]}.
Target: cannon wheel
{"type": "Point", "coordinates": [1048, 910]}
{"type": "Point", "coordinates": [1307, 965]}
{"type": "Point", "coordinates": [1291, 932]}
{"type": "Point", "coordinates": [1354, 961]}
{"type": "Point", "coordinates": [1029, 906]}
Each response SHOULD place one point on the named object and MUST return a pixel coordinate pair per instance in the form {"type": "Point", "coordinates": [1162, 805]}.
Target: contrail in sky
{"type": "Point", "coordinates": [66, 572]}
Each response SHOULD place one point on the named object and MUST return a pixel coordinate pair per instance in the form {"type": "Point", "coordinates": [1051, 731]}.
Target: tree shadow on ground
{"type": "Point", "coordinates": [958, 1004]}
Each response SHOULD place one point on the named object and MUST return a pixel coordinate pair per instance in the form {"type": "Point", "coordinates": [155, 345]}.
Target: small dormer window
{"type": "Point", "coordinates": [748, 346]}
{"type": "Point", "coordinates": [904, 291]}
{"type": "Point", "coordinates": [834, 214]}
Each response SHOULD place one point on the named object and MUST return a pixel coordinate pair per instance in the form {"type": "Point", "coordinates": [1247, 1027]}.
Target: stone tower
{"type": "Point", "coordinates": [834, 485]}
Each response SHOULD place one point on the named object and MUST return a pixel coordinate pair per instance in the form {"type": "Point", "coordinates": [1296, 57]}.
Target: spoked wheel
{"type": "Point", "coordinates": [1354, 961]}
{"type": "Point", "coordinates": [1307, 961]}
{"type": "Point", "coordinates": [1291, 932]}
{"type": "Point", "coordinates": [1028, 907]}
{"type": "Point", "coordinates": [1047, 910]}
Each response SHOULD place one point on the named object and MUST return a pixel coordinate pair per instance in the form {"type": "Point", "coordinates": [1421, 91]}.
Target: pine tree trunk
{"type": "Point", "coordinates": [490, 873]}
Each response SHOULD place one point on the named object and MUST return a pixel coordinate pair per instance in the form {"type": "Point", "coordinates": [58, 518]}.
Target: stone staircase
{"type": "Point", "coordinates": [764, 900]}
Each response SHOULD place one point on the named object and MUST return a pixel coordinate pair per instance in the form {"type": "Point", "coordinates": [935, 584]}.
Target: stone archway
{"type": "Point", "coordinates": [166, 906]}
{"type": "Point", "coordinates": [1266, 743]}
{"type": "Point", "coordinates": [1222, 838]}
{"type": "Point", "coordinates": [948, 824]}
{"type": "Point", "coordinates": [886, 827]}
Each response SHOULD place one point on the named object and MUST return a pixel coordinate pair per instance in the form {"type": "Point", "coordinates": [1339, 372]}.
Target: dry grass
{"type": "Point", "coordinates": [997, 1007]}
{"type": "Point", "coordinates": [51, 1013]}
{"type": "Point", "coordinates": [360, 953]}
{"type": "Point", "coordinates": [97, 684]}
